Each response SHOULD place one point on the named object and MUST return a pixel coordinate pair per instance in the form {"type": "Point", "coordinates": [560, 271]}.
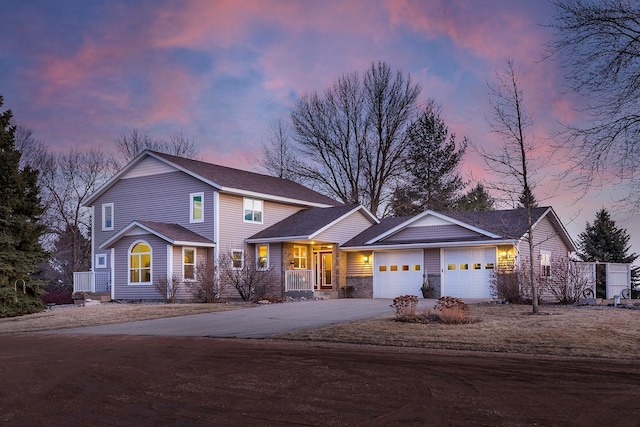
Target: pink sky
{"type": "Point", "coordinates": [81, 73]}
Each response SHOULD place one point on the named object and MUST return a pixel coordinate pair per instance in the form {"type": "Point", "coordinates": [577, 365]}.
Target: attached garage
{"type": "Point", "coordinates": [397, 273]}
{"type": "Point", "coordinates": [467, 272]}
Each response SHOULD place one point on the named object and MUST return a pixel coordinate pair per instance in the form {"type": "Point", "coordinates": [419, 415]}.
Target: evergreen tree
{"type": "Point", "coordinates": [432, 163]}
{"type": "Point", "coordinates": [603, 241]}
{"type": "Point", "coordinates": [527, 196]}
{"type": "Point", "coordinates": [20, 231]}
{"type": "Point", "coordinates": [476, 200]}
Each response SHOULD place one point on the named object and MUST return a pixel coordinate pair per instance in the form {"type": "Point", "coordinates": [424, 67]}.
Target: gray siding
{"type": "Point", "coordinates": [344, 230]}
{"type": "Point", "coordinates": [186, 288]}
{"type": "Point", "coordinates": [545, 238]}
{"type": "Point", "coordinates": [158, 267]}
{"type": "Point", "coordinates": [233, 229]}
{"type": "Point", "coordinates": [438, 232]}
{"type": "Point", "coordinates": [432, 261]}
{"type": "Point", "coordinates": [163, 198]}
{"type": "Point", "coordinates": [356, 266]}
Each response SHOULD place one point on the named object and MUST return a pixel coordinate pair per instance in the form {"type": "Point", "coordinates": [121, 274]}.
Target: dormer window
{"type": "Point", "coordinates": [253, 210]}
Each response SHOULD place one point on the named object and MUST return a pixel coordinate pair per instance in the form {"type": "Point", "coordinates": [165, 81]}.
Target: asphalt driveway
{"type": "Point", "coordinates": [257, 322]}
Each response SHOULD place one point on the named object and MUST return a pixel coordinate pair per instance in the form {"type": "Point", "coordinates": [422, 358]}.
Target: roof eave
{"type": "Point", "coordinates": [419, 245]}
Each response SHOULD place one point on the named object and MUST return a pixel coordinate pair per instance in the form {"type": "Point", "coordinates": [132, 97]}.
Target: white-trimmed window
{"type": "Point", "coordinates": [252, 210]}
{"type": "Point", "coordinates": [545, 264]}
{"type": "Point", "coordinates": [237, 259]}
{"type": "Point", "coordinates": [262, 257]}
{"type": "Point", "coordinates": [107, 216]}
{"type": "Point", "coordinates": [300, 257]}
{"type": "Point", "coordinates": [196, 207]}
{"type": "Point", "coordinates": [101, 261]}
{"type": "Point", "coordinates": [140, 264]}
{"type": "Point", "coordinates": [189, 263]}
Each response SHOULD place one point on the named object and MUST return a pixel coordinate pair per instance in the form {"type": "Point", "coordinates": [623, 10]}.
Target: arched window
{"type": "Point", "coordinates": [140, 264]}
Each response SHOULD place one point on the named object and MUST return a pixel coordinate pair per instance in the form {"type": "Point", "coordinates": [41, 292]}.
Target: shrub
{"type": "Point", "coordinates": [58, 294]}
{"type": "Point", "coordinates": [570, 281]}
{"type": "Point", "coordinates": [452, 311]}
{"type": "Point", "coordinates": [167, 287]}
{"type": "Point", "coordinates": [506, 286]}
{"type": "Point", "coordinates": [251, 282]}
{"type": "Point", "coordinates": [405, 306]}
{"type": "Point", "coordinates": [207, 288]}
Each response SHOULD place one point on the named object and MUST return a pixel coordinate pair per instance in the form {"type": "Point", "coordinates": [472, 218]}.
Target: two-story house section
{"type": "Point", "coordinates": [162, 215]}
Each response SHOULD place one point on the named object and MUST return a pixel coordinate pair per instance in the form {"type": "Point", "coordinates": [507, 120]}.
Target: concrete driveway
{"type": "Point", "coordinates": [257, 322]}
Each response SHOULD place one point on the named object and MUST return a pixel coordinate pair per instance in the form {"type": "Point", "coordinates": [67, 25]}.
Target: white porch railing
{"type": "Point", "coordinates": [298, 280]}
{"type": "Point", "coordinates": [90, 281]}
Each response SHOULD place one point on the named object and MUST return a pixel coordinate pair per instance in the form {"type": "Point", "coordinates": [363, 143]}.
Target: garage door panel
{"type": "Point", "coordinates": [467, 272]}
{"type": "Point", "coordinates": [397, 273]}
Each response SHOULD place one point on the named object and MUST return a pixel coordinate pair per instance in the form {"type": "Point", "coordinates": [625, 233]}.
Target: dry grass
{"type": "Point", "coordinates": [561, 331]}
{"type": "Point", "coordinates": [103, 314]}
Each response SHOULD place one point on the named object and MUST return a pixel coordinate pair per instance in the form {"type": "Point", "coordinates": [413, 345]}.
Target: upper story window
{"type": "Point", "coordinates": [545, 264]}
{"type": "Point", "coordinates": [300, 257]}
{"type": "Point", "coordinates": [253, 210]}
{"type": "Point", "coordinates": [196, 207]}
{"type": "Point", "coordinates": [107, 216]}
{"type": "Point", "coordinates": [140, 264]}
{"type": "Point", "coordinates": [189, 263]}
{"type": "Point", "coordinates": [262, 257]}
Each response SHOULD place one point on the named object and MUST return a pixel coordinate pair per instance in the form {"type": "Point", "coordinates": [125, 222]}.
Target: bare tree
{"type": "Point", "coordinates": [68, 180]}
{"type": "Point", "coordinates": [242, 274]}
{"type": "Point", "coordinates": [130, 145]}
{"type": "Point", "coordinates": [598, 45]}
{"type": "Point", "coordinates": [513, 161]}
{"type": "Point", "coordinates": [353, 137]}
{"type": "Point", "coordinates": [278, 155]}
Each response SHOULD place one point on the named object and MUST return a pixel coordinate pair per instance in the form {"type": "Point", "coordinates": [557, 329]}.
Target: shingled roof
{"type": "Point", "coordinates": [172, 233]}
{"type": "Point", "coordinates": [230, 180]}
{"type": "Point", "coordinates": [304, 224]}
{"type": "Point", "coordinates": [236, 179]}
{"type": "Point", "coordinates": [503, 224]}
{"type": "Point", "coordinates": [510, 224]}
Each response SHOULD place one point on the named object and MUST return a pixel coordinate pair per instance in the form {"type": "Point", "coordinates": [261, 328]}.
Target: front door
{"type": "Point", "coordinates": [324, 265]}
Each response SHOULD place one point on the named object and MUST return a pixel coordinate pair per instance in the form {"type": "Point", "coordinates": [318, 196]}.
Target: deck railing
{"type": "Point", "coordinates": [298, 280]}
{"type": "Point", "coordinates": [90, 281]}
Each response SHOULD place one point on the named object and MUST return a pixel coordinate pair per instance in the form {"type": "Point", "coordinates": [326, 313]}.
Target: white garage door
{"type": "Point", "coordinates": [467, 272]}
{"type": "Point", "coordinates": [397, 273]}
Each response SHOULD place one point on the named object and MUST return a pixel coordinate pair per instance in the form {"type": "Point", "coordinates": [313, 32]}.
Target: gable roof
{"type": "Point", "coordinates": [308, 223]}
{"type": "Point", "coordinates": [496, 226]}
{"type": "Point", "coordinates": [172, 233]}
{"type": "Point", "coordinates": [230, 180]}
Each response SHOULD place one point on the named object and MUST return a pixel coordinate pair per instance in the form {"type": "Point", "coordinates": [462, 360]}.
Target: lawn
{"type": "Point", "coordinates": [562, 331]}
{"type": "Point", "coordinates": [601, 332]}
{"type": "Point", "coordinates": [61, 317]}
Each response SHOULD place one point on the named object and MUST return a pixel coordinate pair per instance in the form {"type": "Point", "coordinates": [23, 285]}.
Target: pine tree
{"type": "Point", "coordinates": [476, 200]}
{"type": "Point", "coordinates": [432, 163]}
{"type": "Point", "coordinates": [603, 241]}
{"type": "Point", "coordinates": [20, 231]}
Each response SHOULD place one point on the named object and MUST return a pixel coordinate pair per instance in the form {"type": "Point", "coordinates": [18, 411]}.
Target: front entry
{"type": "Point", "coordinates": [323, 265]}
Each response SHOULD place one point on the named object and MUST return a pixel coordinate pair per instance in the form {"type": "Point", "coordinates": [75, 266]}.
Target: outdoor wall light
{"type": "Point", "coordinates": [365, 259]}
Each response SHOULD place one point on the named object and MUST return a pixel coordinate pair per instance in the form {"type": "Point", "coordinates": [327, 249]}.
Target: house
{"type": "Point", "coordinates": [162, 216]}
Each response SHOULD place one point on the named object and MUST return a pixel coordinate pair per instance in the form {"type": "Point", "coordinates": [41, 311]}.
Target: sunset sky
{"type": "Point", "coordinates": [81, 73]}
